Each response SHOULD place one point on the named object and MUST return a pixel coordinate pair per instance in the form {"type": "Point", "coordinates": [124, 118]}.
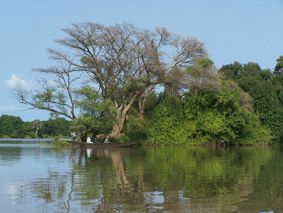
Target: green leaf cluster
{"type": "Point", "coordinates": [205, 117]}
{"type": "Point", "coordinates": [51, 98]}
{"type": "Point", "coordinates": [197, 69]}
{"type": "Point", "coordinates": [266, 89]}
{"type": "Point", "coordinates": [97, 114]}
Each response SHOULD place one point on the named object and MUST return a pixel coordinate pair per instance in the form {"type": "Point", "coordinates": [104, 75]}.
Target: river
{"type": "Point", "coordinates": [38, 177]}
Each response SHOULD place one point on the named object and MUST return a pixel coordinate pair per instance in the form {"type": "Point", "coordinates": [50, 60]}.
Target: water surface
{"type": "Point", "coordinates": [37, 177]}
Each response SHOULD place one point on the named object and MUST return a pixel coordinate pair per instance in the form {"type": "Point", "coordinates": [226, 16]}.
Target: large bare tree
{"type": "Point", "coordinates": [127, 63]}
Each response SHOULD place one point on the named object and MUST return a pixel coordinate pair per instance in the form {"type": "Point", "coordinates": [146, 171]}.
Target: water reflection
{"type": "Point", "coordinates": [6, 157]}
{"type": "Point", "coordinates": [160, 179]}
{"type": "Point", "coordinates": [169, 179]}
{"type": "Point", "coordinates": [102, 178]}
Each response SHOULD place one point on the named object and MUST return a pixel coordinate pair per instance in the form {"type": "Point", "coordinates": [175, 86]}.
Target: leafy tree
{"type": "Point", "coordinates": [204, 74]}
{"type": "Point", "coordinates": [27, 129]}
{"type": "Point", "coordinates": [126, 63]}
{"type": "Point", "coordinates": [11, 126]}
{"type": "Point", "coordinates": [206, 116]}
{"type": "Point", "coordinates": [266, 90]}
{"type": "Point", "coordinates": [55, 127]}
{"type": "Point", "coordinates": [97, 114]}
{"type": "Point", "coordinates": [279, 66]}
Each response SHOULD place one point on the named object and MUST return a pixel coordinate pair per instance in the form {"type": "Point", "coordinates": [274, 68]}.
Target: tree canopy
{"type": "Point", "coordinates": [156, 86]}
{"type": "Point", "coordinates": [125, 63]}
{"type": "Point", "coordinates": [265, 87]}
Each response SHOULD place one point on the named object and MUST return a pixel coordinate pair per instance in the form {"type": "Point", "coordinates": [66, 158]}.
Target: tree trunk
{"type": "Point", "coordinates": [36, 133]}
{"type": "Point", "coordinates": [142, 101]}
{"type": "Point", "coordinates": [141, 108]}
{"type": "Point", "coordinates": [117, 128]}
{"type": "Point", "coordinates": [121, 117]}
{"type": "Point", "coordinates": [116, 132]}
{"type": "Point", "coordinates": [83, 136]}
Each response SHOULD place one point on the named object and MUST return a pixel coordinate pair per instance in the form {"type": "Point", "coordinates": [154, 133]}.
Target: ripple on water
{"type": "Point", "coordinates": [37, 177]}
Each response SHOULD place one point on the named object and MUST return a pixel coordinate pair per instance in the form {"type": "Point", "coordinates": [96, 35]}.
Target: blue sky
{"type": "Point", "coordinates": [232, 30]}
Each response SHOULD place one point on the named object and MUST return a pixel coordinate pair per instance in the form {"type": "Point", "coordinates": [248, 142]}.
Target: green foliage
{"type": "Point", "coordinates": [165, 126]}
{"type": "Point", "coordinates": [266, 90]}
{"type": "Point", "coordinates": [56, 141]}
{"type": "Point", "coordinates": [54, 127]}
{"type": "Point", "coordinates": [279, 66]}
{"type": "Point", "coordinates": [204, 62]}
{"type": "Point", "coordinates": [134, 84]}
{"type": "Point", "coordinates": [198, 68]}
{"type": "Point", "coordinates": [135, 125]}
{"type": "Point", "coordinates": [134, 129]}
{"type": "Point", "coordinates": [206, 117]}
{"type": "Point", "coordinates": [14, 127]}
{"type": "Point", "coordinates": [51, 99]}
{"type": "Point", "coordinates": [28, 130]}
{"type": "Point", "coordinates": [86, 60]}
{"type": "Point", "coordinates": [11, 126]}
{"type": "Point", "coordinates": [96, 113]}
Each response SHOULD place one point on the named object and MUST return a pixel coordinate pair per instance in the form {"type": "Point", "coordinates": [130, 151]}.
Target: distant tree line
{"type": "Point", "coordinates": [15, 127]}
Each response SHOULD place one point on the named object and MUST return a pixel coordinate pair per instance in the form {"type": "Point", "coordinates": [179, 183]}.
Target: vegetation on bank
{"type": "Point", "coordinates": [203, 117]}
{"type": "Point", "coordinates": [15, 127]}
{"type": "Point", "coordinates": [58, 142]}
{"type": "Point", "coordinates": [266, 89]}
{"type": "Point", "coordinates": [199, 104]}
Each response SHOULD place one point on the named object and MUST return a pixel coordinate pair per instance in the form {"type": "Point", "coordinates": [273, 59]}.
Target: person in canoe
{"type": "Point", "coordinates": [88, 140]}
{"type": "Point", "coordinates": [106, 140]}
{"type": "Point", "coordinates": [73, 136]}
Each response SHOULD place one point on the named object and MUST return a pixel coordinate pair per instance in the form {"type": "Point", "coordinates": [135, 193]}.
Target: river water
{"type": "Point", "coordinates": [37, 177]}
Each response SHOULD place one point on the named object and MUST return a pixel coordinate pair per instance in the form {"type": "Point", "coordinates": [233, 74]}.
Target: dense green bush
{"type": "Point", "coordinates": [266, 90]}
{"type": "Point", "coordinates": [204, 117]}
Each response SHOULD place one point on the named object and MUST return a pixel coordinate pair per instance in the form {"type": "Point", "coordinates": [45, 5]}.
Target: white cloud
{"type": "Point", "coordinates": [14, 81]}
{"type": "Point", "coordinates": [10, 109]}
{"type": "Point", "coordinates": [21, 81]}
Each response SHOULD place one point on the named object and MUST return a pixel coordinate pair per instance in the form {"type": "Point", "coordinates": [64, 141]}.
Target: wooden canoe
{"type": "Point", "coordinates": [104, 145]}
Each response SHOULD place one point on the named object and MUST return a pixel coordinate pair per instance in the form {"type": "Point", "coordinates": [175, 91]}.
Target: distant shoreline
{"type": "Point", "coordinates": [28, 139]}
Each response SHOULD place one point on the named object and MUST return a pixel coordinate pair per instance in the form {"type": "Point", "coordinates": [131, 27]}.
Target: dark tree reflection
{"type": "Point", "coordinates": [171, 179]}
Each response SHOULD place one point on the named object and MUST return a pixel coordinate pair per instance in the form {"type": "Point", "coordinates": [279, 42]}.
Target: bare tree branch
{"type": "Point", "coordinates": [125, 62]}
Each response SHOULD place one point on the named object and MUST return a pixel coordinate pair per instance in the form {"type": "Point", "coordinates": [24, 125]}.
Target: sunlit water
{"type": "Point", "coordinates": [37, 177]}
